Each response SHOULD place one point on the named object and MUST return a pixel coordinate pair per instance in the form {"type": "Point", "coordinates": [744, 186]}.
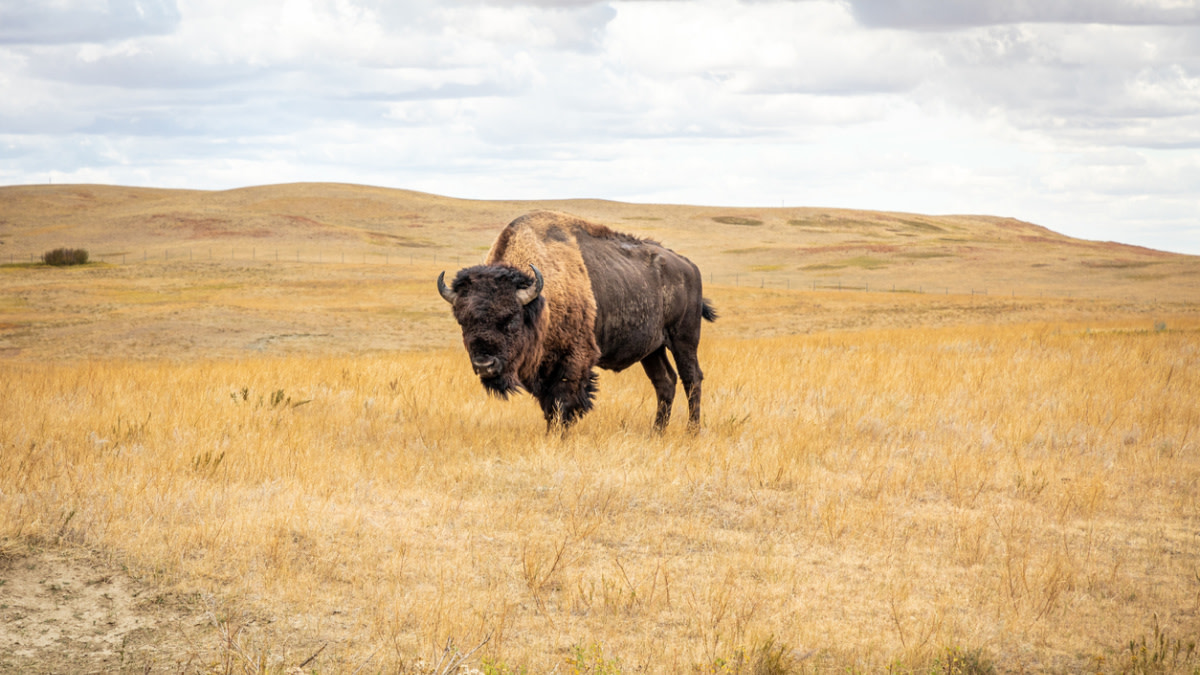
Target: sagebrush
{"type": "Point", "coordinates": [62, 257]}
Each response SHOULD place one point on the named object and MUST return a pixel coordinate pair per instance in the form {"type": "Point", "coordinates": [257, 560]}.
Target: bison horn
{"type": "Point", "coordinates": [447, 294]}
{"type": "Point", "coordinates": [529, 294]}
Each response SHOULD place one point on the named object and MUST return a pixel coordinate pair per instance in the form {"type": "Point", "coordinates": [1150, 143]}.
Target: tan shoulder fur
{"type": "Point", "coordinates": [547, 239]}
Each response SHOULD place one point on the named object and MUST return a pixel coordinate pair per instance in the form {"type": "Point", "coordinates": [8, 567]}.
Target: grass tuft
{"type": "Point", "coordinates": [1160, 653]}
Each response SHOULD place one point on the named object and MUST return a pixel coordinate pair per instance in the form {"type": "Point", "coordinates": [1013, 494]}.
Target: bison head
{"type": "Point", "coordinates": [498, 307]}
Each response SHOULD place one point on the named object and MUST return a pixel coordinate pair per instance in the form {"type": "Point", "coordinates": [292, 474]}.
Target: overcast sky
{"type": "Point", "coordinates": [1080, 115]}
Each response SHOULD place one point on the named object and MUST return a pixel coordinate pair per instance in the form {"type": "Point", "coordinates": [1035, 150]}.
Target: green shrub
{"type": "Point", "coordinates": [591, 660]}
{"type": "Point", "coordinates": [61, 257]}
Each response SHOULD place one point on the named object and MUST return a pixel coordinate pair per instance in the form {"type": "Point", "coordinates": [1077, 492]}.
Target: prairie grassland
{"type": "Point", "coordinates": [1027, 496]}
{"type": "Point", "coordinates": [769, 248]}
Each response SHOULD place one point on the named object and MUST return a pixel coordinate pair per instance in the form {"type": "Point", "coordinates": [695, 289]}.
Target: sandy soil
{"type": "Point", "coordinates": [66, 611]}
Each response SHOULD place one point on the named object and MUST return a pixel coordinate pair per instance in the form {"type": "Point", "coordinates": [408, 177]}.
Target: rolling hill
{"type": "Point", "coordinates": [349, 268]}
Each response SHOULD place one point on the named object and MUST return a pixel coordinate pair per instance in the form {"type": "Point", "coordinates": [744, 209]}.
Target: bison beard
{"type": "Point", "coordinates": [610, 300]}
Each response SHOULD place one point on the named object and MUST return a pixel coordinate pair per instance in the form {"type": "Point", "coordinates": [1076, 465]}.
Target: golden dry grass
{"type": "Point", "coordinates": [868, 500]}
{"type": "Point", "coordinates": [922, 482]}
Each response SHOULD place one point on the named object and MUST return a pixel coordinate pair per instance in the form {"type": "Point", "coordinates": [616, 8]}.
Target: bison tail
{"type": "Point", "coordinates": [707, 311]}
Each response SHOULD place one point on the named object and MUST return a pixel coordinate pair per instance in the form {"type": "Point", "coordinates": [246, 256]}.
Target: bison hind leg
{"type": "Point", "coordinates": [662, 375]}
{"type": "Point", "coordinates": [564, 402]}
{"type": "Point", "coordinates": [684, 352]}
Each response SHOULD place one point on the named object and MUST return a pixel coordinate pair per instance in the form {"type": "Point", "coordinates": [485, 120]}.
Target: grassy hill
{"type": "Point", "coordinates": [763, 246]}
{"type": "Point", "coordinates": [327, 268]}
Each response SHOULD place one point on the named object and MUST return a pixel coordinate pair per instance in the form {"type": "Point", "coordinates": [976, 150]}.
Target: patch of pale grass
{"type": "Point", "coordinates": [1028, 493]}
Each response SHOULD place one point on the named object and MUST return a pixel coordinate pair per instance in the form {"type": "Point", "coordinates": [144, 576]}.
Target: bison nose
{"type": "Point", "coordinates": [484, 365]}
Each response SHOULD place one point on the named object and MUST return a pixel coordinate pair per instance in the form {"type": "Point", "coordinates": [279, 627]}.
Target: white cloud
{"type": "Point", "coordinates": [805, 47]}
{"type": "Point", "coordinates": [1082, 116]}
{"type": "Point", "coordinates": [949, 14]}
{"type": "Point", "coordinates": [72, 21]}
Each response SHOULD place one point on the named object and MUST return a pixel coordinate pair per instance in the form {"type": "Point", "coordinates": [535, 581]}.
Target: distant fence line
{"type": "Point", "coordinates": [736, 279]}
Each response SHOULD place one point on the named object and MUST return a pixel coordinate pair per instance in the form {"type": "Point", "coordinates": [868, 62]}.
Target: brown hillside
{"type": "Point", "coordinates": [767, 246]}
{"type": "Point", "coordinates": [349, 268]}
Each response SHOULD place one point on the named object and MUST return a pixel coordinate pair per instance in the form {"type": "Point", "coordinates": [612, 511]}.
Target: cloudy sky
{"type": "Point", "coordinates": [1080, 115]}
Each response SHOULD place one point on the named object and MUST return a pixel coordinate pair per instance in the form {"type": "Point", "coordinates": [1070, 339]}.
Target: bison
{"type": "Point", "coordinates": [558, 296]}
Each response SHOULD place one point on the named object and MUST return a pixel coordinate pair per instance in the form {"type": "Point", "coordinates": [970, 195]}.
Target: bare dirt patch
{"type": "Point", "coordinates": [69, 612]}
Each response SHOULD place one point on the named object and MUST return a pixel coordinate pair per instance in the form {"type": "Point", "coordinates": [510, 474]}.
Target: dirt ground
{"type": "Point", "coordinates": [67, 611]}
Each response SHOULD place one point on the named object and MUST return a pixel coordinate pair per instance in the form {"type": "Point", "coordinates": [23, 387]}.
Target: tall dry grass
{"type": "Point", "coordinates": [1027, 496]}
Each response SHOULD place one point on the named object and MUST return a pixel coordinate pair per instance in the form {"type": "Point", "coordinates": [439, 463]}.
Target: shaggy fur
{"type": "Point", "coordinates": [609, 299]}
{"type": "Point", "coordinates": [501, 327]}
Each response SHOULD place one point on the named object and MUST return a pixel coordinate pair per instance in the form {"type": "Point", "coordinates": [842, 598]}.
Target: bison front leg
{"type": "Point", "coordinates": [565, 400]}
{"type": "Point", "coordinates": [658, 369]}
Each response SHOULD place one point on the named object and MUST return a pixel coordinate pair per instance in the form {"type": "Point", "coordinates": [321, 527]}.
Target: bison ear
{"type": "Point", "coordinates": [530, 293]}
{"type": "Point", "coordinates": [447, 294]}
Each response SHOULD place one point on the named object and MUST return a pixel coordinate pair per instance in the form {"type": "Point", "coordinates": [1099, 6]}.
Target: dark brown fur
{"type": "Point", "coordinates": [609, 300]}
